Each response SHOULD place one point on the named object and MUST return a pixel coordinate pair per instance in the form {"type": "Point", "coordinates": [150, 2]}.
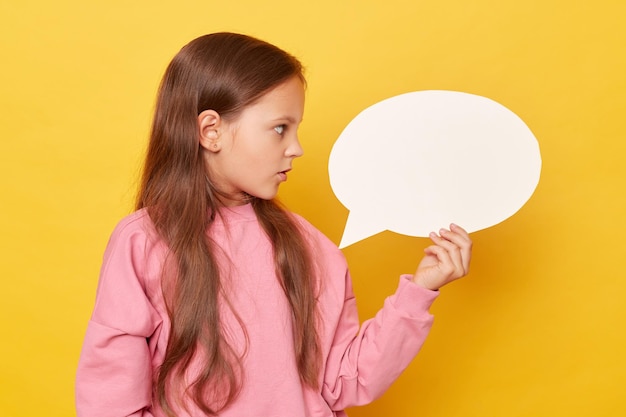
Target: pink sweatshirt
{"type": "Point", "coordinates": [128, 331]}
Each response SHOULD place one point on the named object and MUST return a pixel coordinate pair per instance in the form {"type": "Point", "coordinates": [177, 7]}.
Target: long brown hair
{"type": "Point", "coordinates": [224, 72]}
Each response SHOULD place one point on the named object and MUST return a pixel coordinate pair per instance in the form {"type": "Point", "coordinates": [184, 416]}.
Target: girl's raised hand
{"type": "Point", "coordinates": [445, 261]}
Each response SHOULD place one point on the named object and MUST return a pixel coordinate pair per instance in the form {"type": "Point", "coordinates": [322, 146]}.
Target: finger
{"type": "Point", "coordinates": [460, 237]}
{"type": "Point", "coordinates": [444, 263]}
{"type": "Point", "coordinates": [450, 262]}
{"type": "Point", "coordinates": [458, 229]}
{"type": "Point", "coordinates": [451, 247]}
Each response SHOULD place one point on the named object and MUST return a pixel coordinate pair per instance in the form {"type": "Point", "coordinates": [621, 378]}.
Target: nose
{"type": "Point", "coordinates": [294, 150]}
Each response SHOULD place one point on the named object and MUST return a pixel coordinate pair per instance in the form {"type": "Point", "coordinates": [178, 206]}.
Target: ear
{"type": "Point", "coordinates": [209, 123]}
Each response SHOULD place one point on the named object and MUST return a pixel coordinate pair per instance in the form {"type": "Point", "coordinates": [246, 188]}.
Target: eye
{"type": "Point", "coordinates": [280, 129]}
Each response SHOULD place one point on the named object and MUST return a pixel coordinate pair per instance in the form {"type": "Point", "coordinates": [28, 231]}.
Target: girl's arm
{"type": "Point", "coordinates": [114, 376]}
{"type": "Point", "coordinates": [364, 361]}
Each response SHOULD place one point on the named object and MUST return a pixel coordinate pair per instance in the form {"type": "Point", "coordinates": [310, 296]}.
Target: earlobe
{"type": "Point", "coordinates": [209, 122]}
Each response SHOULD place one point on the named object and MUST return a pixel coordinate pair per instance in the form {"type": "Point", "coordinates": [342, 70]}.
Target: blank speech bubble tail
{"type": "Point", "coordinates": [359, 227]}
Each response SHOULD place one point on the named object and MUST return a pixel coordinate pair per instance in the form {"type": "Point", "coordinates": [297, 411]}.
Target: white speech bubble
{"type": "Point", "coordinates": [419, 161]}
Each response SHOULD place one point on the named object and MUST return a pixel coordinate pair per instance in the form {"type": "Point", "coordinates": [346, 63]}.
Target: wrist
{"type": "Point", "coordinates": [420, 281]}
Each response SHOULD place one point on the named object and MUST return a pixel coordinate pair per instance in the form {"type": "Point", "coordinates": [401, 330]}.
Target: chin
{"type": "Point", "coordinates": [264, 196]}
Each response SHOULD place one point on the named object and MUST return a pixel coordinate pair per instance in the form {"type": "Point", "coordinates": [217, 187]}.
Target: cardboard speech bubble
{"type": "Point", "coordinates": [416, 162]}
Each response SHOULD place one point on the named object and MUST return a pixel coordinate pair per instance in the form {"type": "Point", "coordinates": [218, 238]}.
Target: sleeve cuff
{"type": "Point", "coordinates": [411, 298]}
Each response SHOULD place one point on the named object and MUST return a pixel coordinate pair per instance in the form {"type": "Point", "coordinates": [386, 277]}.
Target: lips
{"type": "Point", "coordinates": [283, 174]}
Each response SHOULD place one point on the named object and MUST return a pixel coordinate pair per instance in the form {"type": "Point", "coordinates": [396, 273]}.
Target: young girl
{"type": "Point", "coordinates": [214, 300]}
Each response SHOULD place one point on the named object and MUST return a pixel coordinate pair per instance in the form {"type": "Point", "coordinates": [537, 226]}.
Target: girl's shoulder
{"type": "Point", "coordinates": [135, 232]}
{"type": "Point", "coordinates": [322, 244]}
{"type": "Point", "coordinates": [134, 249]}
{"type": "Point", "coordinates": [136, 223]}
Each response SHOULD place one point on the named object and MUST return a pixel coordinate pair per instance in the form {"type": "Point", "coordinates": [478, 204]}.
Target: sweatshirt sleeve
{"type": "Point", "coordinates": [363, 362]}
{"type": "Point", "coordinates": [114, 376]}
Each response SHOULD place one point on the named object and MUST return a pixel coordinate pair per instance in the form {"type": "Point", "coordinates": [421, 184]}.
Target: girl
{"type": "Point", "coordinates": [214, 300]}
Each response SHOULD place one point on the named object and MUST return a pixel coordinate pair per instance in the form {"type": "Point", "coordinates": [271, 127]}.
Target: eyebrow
{"type": "Point", "coordinates": [287, 118]}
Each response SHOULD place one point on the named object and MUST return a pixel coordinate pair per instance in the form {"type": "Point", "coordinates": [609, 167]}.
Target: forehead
{"type": "Point", "coordinates": [287, 98]}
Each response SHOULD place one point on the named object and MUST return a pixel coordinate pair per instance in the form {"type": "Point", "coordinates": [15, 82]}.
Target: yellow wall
{"type": "Point", "coordinates": [538, 327]}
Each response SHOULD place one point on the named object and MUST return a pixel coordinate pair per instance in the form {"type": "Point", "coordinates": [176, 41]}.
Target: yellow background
{"type": "Point", "coordinates": [538, 327]}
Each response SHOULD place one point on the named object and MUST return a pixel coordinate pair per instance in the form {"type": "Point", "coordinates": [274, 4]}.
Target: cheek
{"type": "Point", "coordinates": [256, 151]}
{"type": "Point", "coordinates": [263, 152]}
{"type": "Point", "coordinates": [252, 165]}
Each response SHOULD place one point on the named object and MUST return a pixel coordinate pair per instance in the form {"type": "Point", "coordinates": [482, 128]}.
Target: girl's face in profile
{"type": "Point", "coordinates": [255, 151]}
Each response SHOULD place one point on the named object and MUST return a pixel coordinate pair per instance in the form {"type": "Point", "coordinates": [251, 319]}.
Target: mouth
{"type": "Point", "coordinates": [283, 174]}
